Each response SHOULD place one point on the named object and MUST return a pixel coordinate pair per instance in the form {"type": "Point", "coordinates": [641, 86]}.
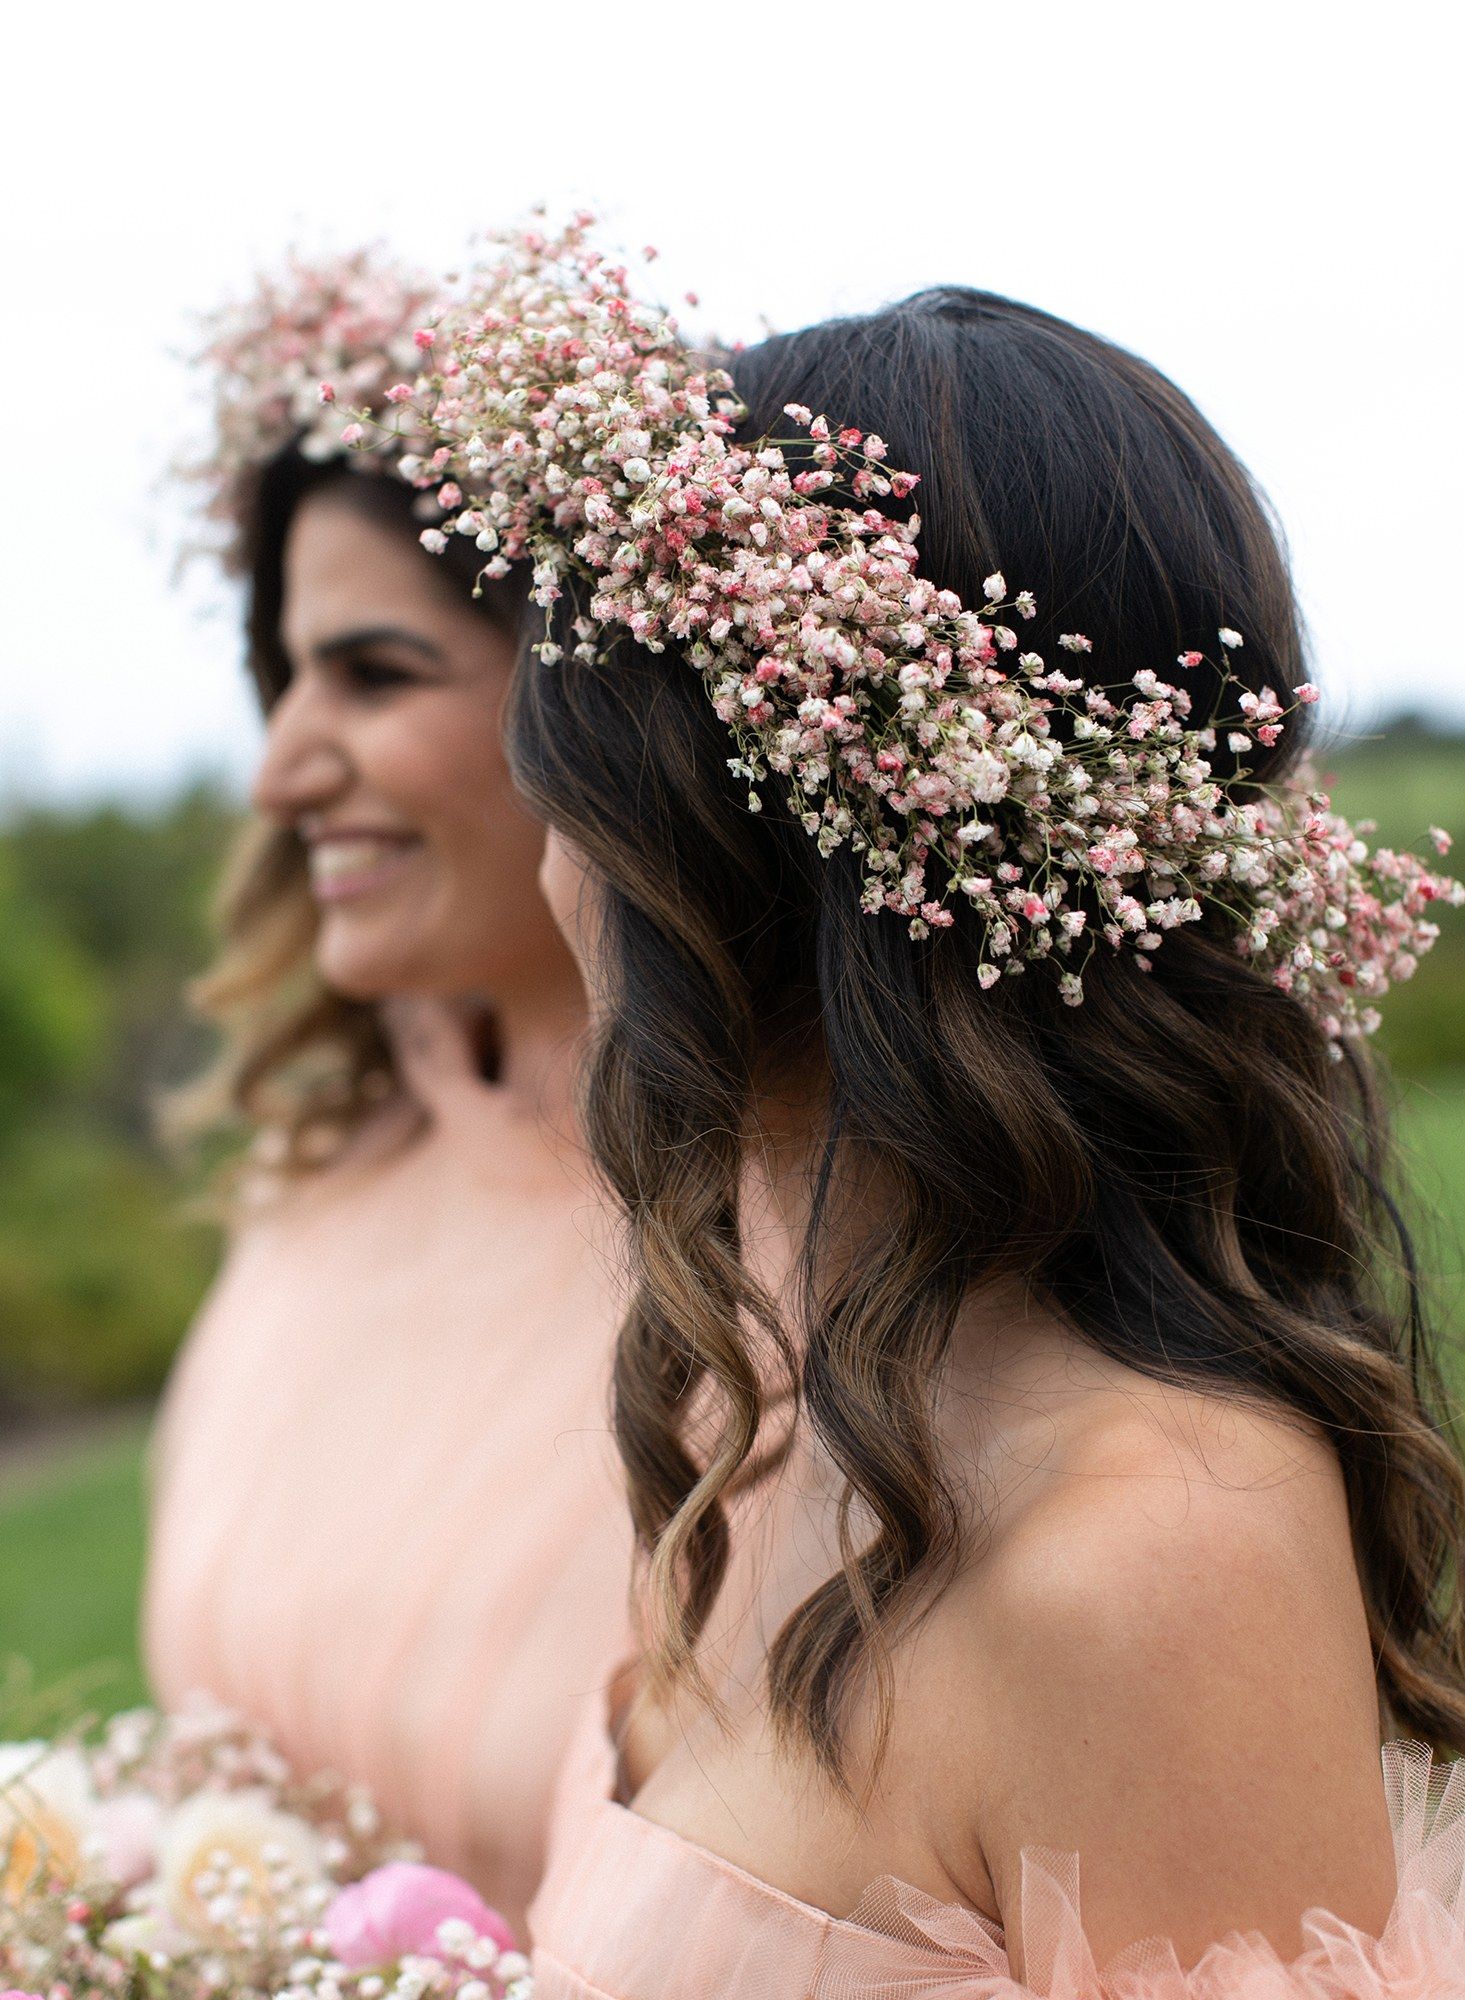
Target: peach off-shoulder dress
{"type": "Point", "coordinates": [629, 1910]}
{"type": "Point", "coordinates": [387, 1523]}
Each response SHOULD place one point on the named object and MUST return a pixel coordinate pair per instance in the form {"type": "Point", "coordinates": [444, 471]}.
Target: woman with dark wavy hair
{"type": "Point", "coordinates": [1058, 1331]}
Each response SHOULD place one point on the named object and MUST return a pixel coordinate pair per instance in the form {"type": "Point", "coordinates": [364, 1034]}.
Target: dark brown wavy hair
{"type": "Point", "coordinates": [1178, 1167]}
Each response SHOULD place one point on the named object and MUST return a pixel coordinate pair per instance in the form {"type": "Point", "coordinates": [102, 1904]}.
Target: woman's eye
{"type": "Point", "coordinates": [375, 676]}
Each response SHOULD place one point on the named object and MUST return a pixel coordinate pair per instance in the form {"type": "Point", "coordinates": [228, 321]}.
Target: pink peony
{"type": "Point", "coordinates": [397, 1909]}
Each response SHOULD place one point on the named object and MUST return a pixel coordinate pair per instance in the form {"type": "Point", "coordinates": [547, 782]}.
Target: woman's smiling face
{"type": "Point", "coordinates": [385, 754]}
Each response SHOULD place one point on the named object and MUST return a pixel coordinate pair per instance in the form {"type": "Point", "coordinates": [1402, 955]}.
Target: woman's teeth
{"type": "Point", "coordinates": [338, 867]}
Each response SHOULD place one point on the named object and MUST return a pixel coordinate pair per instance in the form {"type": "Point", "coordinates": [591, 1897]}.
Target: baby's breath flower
{"type": "Point", "coordinates": [302, 362]}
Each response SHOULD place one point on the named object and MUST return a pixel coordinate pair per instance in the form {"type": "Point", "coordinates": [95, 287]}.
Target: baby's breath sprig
{"type": "Point", "coordinates": [298, 361]}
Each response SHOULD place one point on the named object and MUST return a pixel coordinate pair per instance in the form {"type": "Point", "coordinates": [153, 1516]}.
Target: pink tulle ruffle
{"type": "Point", "coordinates": [903, 1945]}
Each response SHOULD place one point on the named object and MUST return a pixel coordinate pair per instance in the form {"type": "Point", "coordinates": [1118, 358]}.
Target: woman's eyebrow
{"type": "Point", "coordinates": [365, 636]}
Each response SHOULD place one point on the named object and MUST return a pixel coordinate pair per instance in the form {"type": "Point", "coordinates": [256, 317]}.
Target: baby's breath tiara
{"type": "Point", "coordinates": [561, 422]}
{"type": "Point", "coordinates": [350, 319]}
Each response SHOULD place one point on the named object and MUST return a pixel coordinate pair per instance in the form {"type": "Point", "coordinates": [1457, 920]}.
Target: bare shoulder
{"type": "Point", "coordinates": [1182, 1491]}
{"type": "Point", "coordinates": [1176, 1678]}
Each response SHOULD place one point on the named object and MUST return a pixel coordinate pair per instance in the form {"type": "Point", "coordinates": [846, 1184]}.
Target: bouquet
{"type": "Point", "coordinates": [178, 1857]}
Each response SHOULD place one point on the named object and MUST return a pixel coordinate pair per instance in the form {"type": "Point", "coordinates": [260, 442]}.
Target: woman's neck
{"type": "Point", "coordinates": [518, 1044]}
{"type": "Point", "coordinates": [534, 1038]}
{"type": "Point", "coordinates": [1004, 1337]}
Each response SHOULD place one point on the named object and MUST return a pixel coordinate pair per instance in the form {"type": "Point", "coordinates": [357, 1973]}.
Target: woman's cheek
{"type": "Point", "coordinates": [565, 885]}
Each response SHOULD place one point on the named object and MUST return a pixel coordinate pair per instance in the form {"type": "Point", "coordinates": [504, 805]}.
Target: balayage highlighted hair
{"type": "Point", "coordinates": [1180, 1167]}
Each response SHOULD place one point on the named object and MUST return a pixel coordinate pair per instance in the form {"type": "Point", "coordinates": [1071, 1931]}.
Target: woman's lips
{"type": "Point", "coordinates": [356, 864]}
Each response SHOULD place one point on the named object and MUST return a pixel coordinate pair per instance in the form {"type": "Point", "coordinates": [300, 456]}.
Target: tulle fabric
{"type": "Point", "coordinates": [630, 1911]}
{"type": "Point", "coordinates": [388, 1523]}
{"type": "Point", "coordinates": [952, 1954]}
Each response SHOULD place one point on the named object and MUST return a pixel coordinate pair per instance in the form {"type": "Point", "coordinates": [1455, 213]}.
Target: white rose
{"type": "Point", "coordinates": [259, 1841]}
{"type": "Point", "coordinates": [47, 1809]}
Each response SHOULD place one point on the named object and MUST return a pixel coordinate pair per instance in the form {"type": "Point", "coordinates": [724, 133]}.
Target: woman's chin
{"type": "Point", "coordinates": [358, 966]}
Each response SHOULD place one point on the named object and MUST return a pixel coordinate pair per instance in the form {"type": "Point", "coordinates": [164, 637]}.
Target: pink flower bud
{"type": "Point", "coordinates": [399, 393]}
{"type": "Point", "coordinates": [396, 1911]}
{"type": "Point", "coordinates": [353, 434]}
{"type": "Point", "coordinates": [423, 338]}
{"type": "Point", "coordinates": [327, 392]}
{"type": "Point", "coordinates": [1307, 692]}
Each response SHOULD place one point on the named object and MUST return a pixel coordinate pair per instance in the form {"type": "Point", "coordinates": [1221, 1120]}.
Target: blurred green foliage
{"type": "Point", "coordinates": [1408, 779]}
{"type": "Point", "coordinates": [103, 918]}
{"type": "Point", "coordinates": [102, 921]}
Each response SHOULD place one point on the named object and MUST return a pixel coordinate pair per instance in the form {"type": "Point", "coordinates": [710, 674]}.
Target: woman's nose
{"type": "Point", "coordinates": [305, 764]}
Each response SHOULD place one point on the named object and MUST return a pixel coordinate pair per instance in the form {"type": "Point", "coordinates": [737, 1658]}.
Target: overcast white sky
{"type": "Point", "coordinates": [1262, 199]}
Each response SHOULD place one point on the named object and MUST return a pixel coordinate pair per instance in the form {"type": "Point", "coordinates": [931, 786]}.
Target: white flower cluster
{"type": "Point", "coordinates": [180, 1859]}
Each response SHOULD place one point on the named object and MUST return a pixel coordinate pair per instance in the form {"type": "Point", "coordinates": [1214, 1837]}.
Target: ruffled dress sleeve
{"type": "Point", "coordinates": [902, 1945]}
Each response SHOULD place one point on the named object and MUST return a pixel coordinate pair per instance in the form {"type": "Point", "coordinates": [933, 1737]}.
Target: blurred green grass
{"type": "Point", "coordinates": [72, 1534]}
{"type": "Point", "coordinates": [102, 920]}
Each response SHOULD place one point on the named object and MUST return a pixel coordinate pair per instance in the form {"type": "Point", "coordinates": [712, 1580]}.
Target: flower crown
{"type": "Point", "coordinates": [571, 427]}
{"type": "Point", "coordinates": [281, 359]}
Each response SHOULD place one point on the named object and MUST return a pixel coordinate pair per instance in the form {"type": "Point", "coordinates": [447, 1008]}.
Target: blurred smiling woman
{"type": "Point", "coordinates": [385, 1525]}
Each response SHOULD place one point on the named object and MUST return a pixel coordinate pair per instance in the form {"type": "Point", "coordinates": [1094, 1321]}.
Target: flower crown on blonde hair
{"type": "Point", "coordinates": [561, 422]}
{"type": "Point", "coordinates": [350, 318]}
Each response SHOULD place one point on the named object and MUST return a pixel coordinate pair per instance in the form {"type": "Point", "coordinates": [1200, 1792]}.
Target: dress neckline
{"type": "Point", "coordinates": [884, 1890]}
{"type": "Point", "coordinates": [602, 1914]}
